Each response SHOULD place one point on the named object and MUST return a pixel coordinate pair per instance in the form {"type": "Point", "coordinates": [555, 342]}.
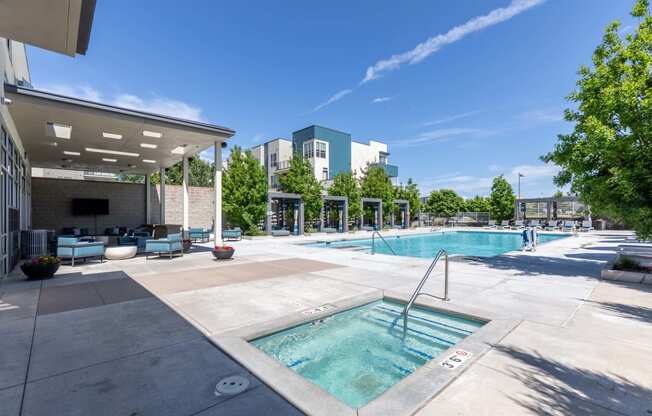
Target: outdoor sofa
{"type": "Point", "coordinates": [165, 246]}
{"type": "Point", "coordinates": [232, 234]}
{"type": "Point", "coordinates": [71, 248]}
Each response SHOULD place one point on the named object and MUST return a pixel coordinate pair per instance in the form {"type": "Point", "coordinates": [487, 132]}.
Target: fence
{"type": "Point", "coordinates": [427, 219]}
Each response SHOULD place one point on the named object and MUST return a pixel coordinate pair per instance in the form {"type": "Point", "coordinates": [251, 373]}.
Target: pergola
{"type": "Point", "coordinates": [69, 133]}
{"type": "Point", "coordinates": [404, 206]}
{"type": "Point", "coordinates": [378, 211]}
{"type": "Point", "coordinates": [552, 208]}
{"type": "Point", "coordinates": [342, 203]}
{"type": "Point", "coordinates": [282, 198]}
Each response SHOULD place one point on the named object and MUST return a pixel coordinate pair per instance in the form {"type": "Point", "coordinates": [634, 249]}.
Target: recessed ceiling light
{"type": "Point", "coordinates": [149, 161]}
{"type": "Point", "coordinates": [106, 159]}
{"type": "Point", "coordinates": [69, 153]}
{"type": "Point", "coordinates": [111, 135]}
{"type": "Point", "coordinates": [132, 166]}
{"type": "Point", "coordinates": [179, 150]}
{"type": "Point", "coordinates": [60, 131]}
{"type": "Point", "coordinates": [111, 152]}
{"type": "Point", "coordinates": [148, 133]}
{"type": "Point", "coordinates": [148, 146]}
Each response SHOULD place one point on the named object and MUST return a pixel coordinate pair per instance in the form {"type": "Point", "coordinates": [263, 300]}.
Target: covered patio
{"type": "Point", "coordinates": [60, 132]}
{"type": "Point", "coordinates": [335, 214]}
{"type": "Point", "coordinates": [376, 221]}
{"type": "Point", "coordinates": [404, 213]}
{"type": "Point", "coordinates": [284, 214]}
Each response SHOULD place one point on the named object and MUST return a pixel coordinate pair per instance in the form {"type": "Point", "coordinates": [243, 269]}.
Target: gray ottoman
{"type": "Point", "coordinates": [120, 252]}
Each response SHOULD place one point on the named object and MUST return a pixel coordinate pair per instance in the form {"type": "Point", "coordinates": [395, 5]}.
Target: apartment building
{"type": "Point", "coordinates": [329, 151]}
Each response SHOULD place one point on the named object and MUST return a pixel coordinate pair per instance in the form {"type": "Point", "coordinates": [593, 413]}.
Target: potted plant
{"type": "Point", "coordinates": [223, 252]}
{"type": "Point", "coordinates": [42, 267]}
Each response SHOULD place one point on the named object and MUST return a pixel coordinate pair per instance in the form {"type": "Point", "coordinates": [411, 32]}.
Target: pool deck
{"type": "Point", "coordinates": [133, 337]}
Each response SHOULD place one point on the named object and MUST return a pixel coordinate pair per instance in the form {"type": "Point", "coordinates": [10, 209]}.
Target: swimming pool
{"type": "Point", "coordinates": [358, 354]}
{"type": "Point", "coordinates": [467, 243]}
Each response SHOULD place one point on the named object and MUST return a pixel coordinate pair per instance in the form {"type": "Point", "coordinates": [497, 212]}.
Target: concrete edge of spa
{"type": "Point", "coordinates": [404, 398]}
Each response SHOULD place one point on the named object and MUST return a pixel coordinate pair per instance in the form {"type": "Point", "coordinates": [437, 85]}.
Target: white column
{"type": "Point", "coordinates": [162, 195]}
{"type": "Point", "coordinates": [148, 199]}
{"type": "Point", "coordinates": [217, 186]}
{"type": "Point", "coordinates": [186, 196]}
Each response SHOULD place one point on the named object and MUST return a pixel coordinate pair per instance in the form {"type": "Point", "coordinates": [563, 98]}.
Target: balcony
{"type": "Point", "coordinates": [390, 170]}
{"type": "Point", "coordinates": [282, 165]}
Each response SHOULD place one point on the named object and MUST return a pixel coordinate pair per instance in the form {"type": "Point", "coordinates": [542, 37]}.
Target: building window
{"type": "Point", "coordinates": [324, 174]}
{"type": "Point", "coordinates": [273, 160]}
{"type": "Point", "coordinates": [382, 159]}
{"type": "Point", "coordinates": [274, 181]}
{"type": "Point", "coordinates": [321, 150]}
{"type": "Point", "coordinates": [309, 150]}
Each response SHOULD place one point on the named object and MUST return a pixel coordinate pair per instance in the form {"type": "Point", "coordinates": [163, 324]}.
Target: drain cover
{"type": "Point", "coordinates": [231, 385]}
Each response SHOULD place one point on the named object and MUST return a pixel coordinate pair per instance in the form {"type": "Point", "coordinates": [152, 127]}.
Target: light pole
{"type": "Point", "coordinates": [520, 175]}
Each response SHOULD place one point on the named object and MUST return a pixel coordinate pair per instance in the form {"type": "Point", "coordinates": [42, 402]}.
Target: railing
{"type": "Point", "coordinates": [417, 292]}
{"type": "Point", "coordinates": [373, 242]}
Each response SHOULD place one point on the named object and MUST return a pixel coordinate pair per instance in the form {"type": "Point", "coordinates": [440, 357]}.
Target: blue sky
{"type": "Point", "coordinates": [461, 90]}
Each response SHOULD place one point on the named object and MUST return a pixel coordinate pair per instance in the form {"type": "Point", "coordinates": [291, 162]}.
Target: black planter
{"type": "Point", "coordinates": [39, 271]}
{"type": "Point", "coordinates": [223, 254]}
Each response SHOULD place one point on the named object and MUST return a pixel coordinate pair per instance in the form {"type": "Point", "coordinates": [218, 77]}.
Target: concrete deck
{"type": "Point", "coordinates": [130, 337]}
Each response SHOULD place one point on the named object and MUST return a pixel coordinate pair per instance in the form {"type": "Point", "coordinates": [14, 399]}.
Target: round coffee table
{"type": "Point", "coordinates": [120, 252]}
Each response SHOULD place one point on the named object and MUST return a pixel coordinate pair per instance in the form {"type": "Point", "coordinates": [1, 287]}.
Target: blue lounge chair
{"type": "Point", "coordinates": [71, 248]}
{"type": "Point", "coordinates": [197, 234]}
{"type": "Point", "coordinates": [569, 226]}
{"type": "Point", "coordinates": [169, 245]}
{"type": "Point", "coordinates": [233, 234]}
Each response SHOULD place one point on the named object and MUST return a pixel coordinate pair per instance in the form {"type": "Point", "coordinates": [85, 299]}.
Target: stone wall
{"type": "Point", "coordinates": [52, 204]}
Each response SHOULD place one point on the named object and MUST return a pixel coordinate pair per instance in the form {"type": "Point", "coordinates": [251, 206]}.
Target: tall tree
{"type": "Point", "coordinates": [200, 173]}
{"type": "Point", "coordinates": [478, 204]}
{"type": "Point", "coordinates": [300, 179]}
{"type": "Point", "coordinates": [445, 203]}
{"type": "Point", "coordinates": [607, 158]}
{"type": "Point", "coordinates": [346, 184]}
{"type": "Point", "coordinates": [376, 184]}
{"type": "Point", "coordinates": [502, 199]}
{"type": "Point", "coordinates": [244, 191]}
{"type": "Point", "coordinates": [410, 192]}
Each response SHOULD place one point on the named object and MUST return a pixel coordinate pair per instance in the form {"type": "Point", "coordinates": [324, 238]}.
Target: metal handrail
{"type": "Point", "coordinates": [417, 292]}
{"type": "Point", "coordinates": [373, 242]}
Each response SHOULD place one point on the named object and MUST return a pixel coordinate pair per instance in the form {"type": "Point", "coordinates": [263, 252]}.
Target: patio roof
{"type": "Point", "coordinates": [62, 26]}
{"type": "Point", "coordinates": [138, 142]}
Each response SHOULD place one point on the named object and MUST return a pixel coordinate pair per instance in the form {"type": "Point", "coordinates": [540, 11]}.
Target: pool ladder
{"type": "Point", "coordinates": [417, 292]}
{"type": "Point", "coordinates": [373, 242]}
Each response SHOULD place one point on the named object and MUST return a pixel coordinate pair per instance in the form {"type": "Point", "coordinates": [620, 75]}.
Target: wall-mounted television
{"type": "Point", "coordinates": [85, 206]}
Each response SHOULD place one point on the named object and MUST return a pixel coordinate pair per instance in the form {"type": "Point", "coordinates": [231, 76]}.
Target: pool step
{"type": "Point", "coordinates": [416, 317]}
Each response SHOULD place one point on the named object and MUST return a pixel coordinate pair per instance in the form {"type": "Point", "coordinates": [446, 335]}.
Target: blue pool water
{"type": "Point", "coordinates": [358, 354]}
{"type": "Point", "coordinates": [467, 243]}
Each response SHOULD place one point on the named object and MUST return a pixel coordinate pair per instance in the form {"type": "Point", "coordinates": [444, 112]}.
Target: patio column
{"type": "Point", "coordinates": [148, 199]}
{"type": "Point", "coordinates": [322, 220]}
{"type": "Point", "coordinates": [345, 216]}
{"type": "Point", "coordinates": [301, 214]}
{"type": "Point", "coordinates": [161, 171]}
{"type": "Point", "coordinates": [186, 196]}
{"type": "Point", "coordinates": [407, 224]}
{"type": "Point", "coordinates": [268, 215]}
{"type": "Point", "coordinates": [217, 185]}
{"type": "Point", "coordinates": [380, 216]}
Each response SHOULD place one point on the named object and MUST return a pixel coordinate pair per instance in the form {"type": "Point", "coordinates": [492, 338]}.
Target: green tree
{"type": "Point", "coordinates": [300, 179]}
{"type": "Point", "coordinates": [607, 158]}
{"type": "Point", "coordinates": [478, 204]}
{"type": "Point", "coordinates": [200, 173]}
{"type": "Point", "coordinates": [445, 203]}
{"type": "Point", "coordinates": [346, 184]}
{"type": "Point", "coordinates": [244, 191]}
{"type": "Point", "coordinates": [502, 199]}
{"type": "Point", "coordinates": [410, 192]}
{"type": "Point", "coordinates": [376, 184]}
{"type": "Point", "coordinates": [558, 194]}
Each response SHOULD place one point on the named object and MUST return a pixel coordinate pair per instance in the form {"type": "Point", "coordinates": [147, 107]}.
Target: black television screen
{"type": "Point", "coordinates": [90, 206]}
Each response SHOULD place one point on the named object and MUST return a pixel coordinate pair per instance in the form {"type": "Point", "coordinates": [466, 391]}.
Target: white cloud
{"type": "Point", "coordinates": [435, 43]}
{"type": "Point", "coordinates": [441, 135]}
{"type": "Point", "coordinates": [84, 92]}
{"type": "Point", "coordinates": [449, 118]}
{"type": "Point", "coordinates": [158, 105]}
{"type": "Point", "coordinates": [153, 104]}
{"type": "Point", "coordinates": [543, 116]}
{"type": "Point", "coordinates": [335, 97]}
{"type": "Point", "coordinates": [381, 100]}
{"type": "Point", "coordinates": [536, 182]}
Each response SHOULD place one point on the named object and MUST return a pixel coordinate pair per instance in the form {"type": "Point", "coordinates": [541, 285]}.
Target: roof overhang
{"type": "Point", "coordinates": [62, 26]}
{"type": "Point", "coordinates": [36, 112]}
